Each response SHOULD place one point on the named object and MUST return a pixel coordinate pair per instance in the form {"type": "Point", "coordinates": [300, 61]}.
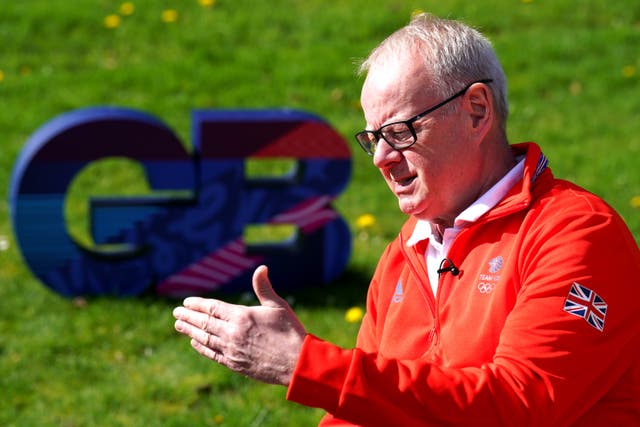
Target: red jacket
{"type": "Point", "coordinates": [540, 327]}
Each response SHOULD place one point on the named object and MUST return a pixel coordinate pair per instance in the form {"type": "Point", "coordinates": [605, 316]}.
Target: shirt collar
{"type": "Point", "coordinates": [424, 230]}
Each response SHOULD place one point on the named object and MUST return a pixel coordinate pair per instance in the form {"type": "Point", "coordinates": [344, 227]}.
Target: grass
{"type": "Point", "coordinates": [574, 73]}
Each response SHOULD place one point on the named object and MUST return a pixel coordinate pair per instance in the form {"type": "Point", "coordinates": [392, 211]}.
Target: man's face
{"type": "Point", "coordinates": [428, 178]}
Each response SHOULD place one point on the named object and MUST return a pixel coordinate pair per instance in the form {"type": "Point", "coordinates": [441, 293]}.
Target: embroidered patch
{"type": "Point", "coordinates": [398, 295]}
{"type": "Point", "coordinates": [585, 303]}
{"type": "Point", "coordinates": [495, 264]}
{"type": "Point", "coordinates": [487, 282]}
{"type": "Point", "coordinates": [486, 287]}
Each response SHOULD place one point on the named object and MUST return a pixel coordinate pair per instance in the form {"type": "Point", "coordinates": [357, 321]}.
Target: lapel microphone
{"type": "Point", "coordinates": [450, 267]}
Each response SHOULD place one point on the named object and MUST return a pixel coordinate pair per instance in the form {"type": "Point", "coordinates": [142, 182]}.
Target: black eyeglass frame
{"type": "Point", "coordinates": [366, 143]}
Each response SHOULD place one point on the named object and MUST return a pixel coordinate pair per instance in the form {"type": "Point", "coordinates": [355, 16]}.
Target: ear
{"type": "Point", "coordinates": [478, 102]}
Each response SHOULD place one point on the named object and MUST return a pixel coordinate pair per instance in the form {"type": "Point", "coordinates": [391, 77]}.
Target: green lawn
{"type": "Point", "coordinates": [574, 74]}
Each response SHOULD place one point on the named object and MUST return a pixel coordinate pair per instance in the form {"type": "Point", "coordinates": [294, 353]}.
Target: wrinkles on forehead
{"type": "Point", "coordinates": [394, 91]}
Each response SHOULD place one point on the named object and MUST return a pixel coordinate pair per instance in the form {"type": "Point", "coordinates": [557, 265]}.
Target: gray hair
{"type": "Point", "coordinates": [454, 55]}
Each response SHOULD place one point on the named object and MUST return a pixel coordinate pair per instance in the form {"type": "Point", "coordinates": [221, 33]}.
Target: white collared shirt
{"type": "Point", "coordinates": [437, 251]}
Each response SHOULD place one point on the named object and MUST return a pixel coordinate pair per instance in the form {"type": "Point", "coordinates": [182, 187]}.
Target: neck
{"type": "Point", "coordinates": [494, 166]}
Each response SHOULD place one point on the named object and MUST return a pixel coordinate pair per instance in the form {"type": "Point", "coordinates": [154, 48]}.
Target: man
{"type": "Point", "coordinates": [508, 298]}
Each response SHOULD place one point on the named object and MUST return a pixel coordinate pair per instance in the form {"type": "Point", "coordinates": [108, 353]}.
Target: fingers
{"type": "Point", "coordinates": [204, 342]}
{"type": "Point", "coordinates": [196, 333]}
{"type": "Point", "coordinates": [263, 289]}
{"type": "Point", "coordinates": [206, 351]}
{"type": "Point", "coordinates": [205, 321]}
{"type": "Point", "coordinates": [200, 319]}
{"type": "Point", "coordinates": [194, 319]}
{"type": "Point", "coordinates": [211, 307]}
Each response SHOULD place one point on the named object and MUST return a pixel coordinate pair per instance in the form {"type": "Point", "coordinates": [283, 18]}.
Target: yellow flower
{"type": "Point", "coordinates": [354, 315]}
{"type": "Point", "coordinates": [127, 8]}
{"type": "Point", "coordinates": [4, 240]}
{"type": "Point", "coordinates": [169, 15]}
{"type": "Point", "coordinates": [365, 221]}
{"type": "Point", "coordinates": [1, 75]}
{"type": "Point", "coordinates": [207, 3]}
{"type": "Point", "coordinates": [112, 21]}
{"type": "Point", "coordinates": [635, 201]}
{"type": "Point", "coordinates": [416, 12]}
{"type": "Point", "coordinates": [218, 419]}
{"type": "Point", "coordinates": [629, 71]}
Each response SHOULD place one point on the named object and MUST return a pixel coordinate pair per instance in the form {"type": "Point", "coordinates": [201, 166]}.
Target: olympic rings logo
{"type": "Point", "coordinates": [486, 287]}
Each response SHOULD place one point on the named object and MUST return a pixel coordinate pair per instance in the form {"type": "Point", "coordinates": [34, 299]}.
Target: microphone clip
{"type": "Point", "coordinates": [449, 267]}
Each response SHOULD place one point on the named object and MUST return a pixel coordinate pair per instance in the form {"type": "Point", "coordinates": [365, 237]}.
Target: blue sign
{"type": "Point", "coordinates": [191, 242]}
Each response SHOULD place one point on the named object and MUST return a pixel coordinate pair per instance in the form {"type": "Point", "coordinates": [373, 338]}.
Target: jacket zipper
{"type": "Point", "coordinates": [432, 300]}
{"type": "Point", "coordinates": [425, 289]}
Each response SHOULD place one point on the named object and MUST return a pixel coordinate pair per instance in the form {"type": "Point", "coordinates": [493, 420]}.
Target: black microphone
{"type": "Point", "coordinates": [450, 267]}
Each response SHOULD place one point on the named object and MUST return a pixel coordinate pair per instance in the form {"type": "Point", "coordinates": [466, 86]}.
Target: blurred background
{"type": "Point", "coordinates": [573, 70]}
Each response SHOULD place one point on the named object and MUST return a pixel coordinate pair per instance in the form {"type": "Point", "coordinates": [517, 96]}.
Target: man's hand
{"type": "Point", "coordinates": [261, 342]}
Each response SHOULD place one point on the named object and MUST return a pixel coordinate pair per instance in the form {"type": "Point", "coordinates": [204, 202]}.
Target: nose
{"type": "Point", "coordinates": [385, 154]}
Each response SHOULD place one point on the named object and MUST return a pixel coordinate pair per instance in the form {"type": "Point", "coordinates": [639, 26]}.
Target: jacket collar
{"type": "Point", "coordinates": [520, 195]}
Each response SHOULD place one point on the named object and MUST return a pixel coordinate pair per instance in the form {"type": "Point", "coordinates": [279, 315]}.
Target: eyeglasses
{"type": "Point", "coordinates": [402, 135]}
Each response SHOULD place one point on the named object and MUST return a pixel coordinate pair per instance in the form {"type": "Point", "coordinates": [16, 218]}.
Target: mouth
{"type": "Point", "coordinates": [403, 181]}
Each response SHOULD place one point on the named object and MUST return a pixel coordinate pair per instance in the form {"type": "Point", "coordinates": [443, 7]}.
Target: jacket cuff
{"type": "Point", "coordinates": [320, 373]}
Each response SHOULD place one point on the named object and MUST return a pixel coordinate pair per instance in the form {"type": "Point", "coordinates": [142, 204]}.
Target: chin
{"type": "Point", "coordinates": [408, 209]}
{"type": "Point", "coordinates": [413, 210]}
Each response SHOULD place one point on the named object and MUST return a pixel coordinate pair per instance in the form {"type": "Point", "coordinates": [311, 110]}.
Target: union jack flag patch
{"type": "Point", "coordinates": [585, 303]}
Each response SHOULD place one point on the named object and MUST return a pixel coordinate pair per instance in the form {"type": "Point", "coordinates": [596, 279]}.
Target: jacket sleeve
{"type": "Point", "coordinates": [550, 366]}
{"type": "Point", "coordinates": [367, 336]}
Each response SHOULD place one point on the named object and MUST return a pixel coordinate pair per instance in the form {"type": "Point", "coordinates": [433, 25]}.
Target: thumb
{"type": "Point", "coordinates": [263, 289]}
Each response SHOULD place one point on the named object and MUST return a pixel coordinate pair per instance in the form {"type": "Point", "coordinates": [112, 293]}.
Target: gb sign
{"type": "Point", "coordinates": [187, 238]}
